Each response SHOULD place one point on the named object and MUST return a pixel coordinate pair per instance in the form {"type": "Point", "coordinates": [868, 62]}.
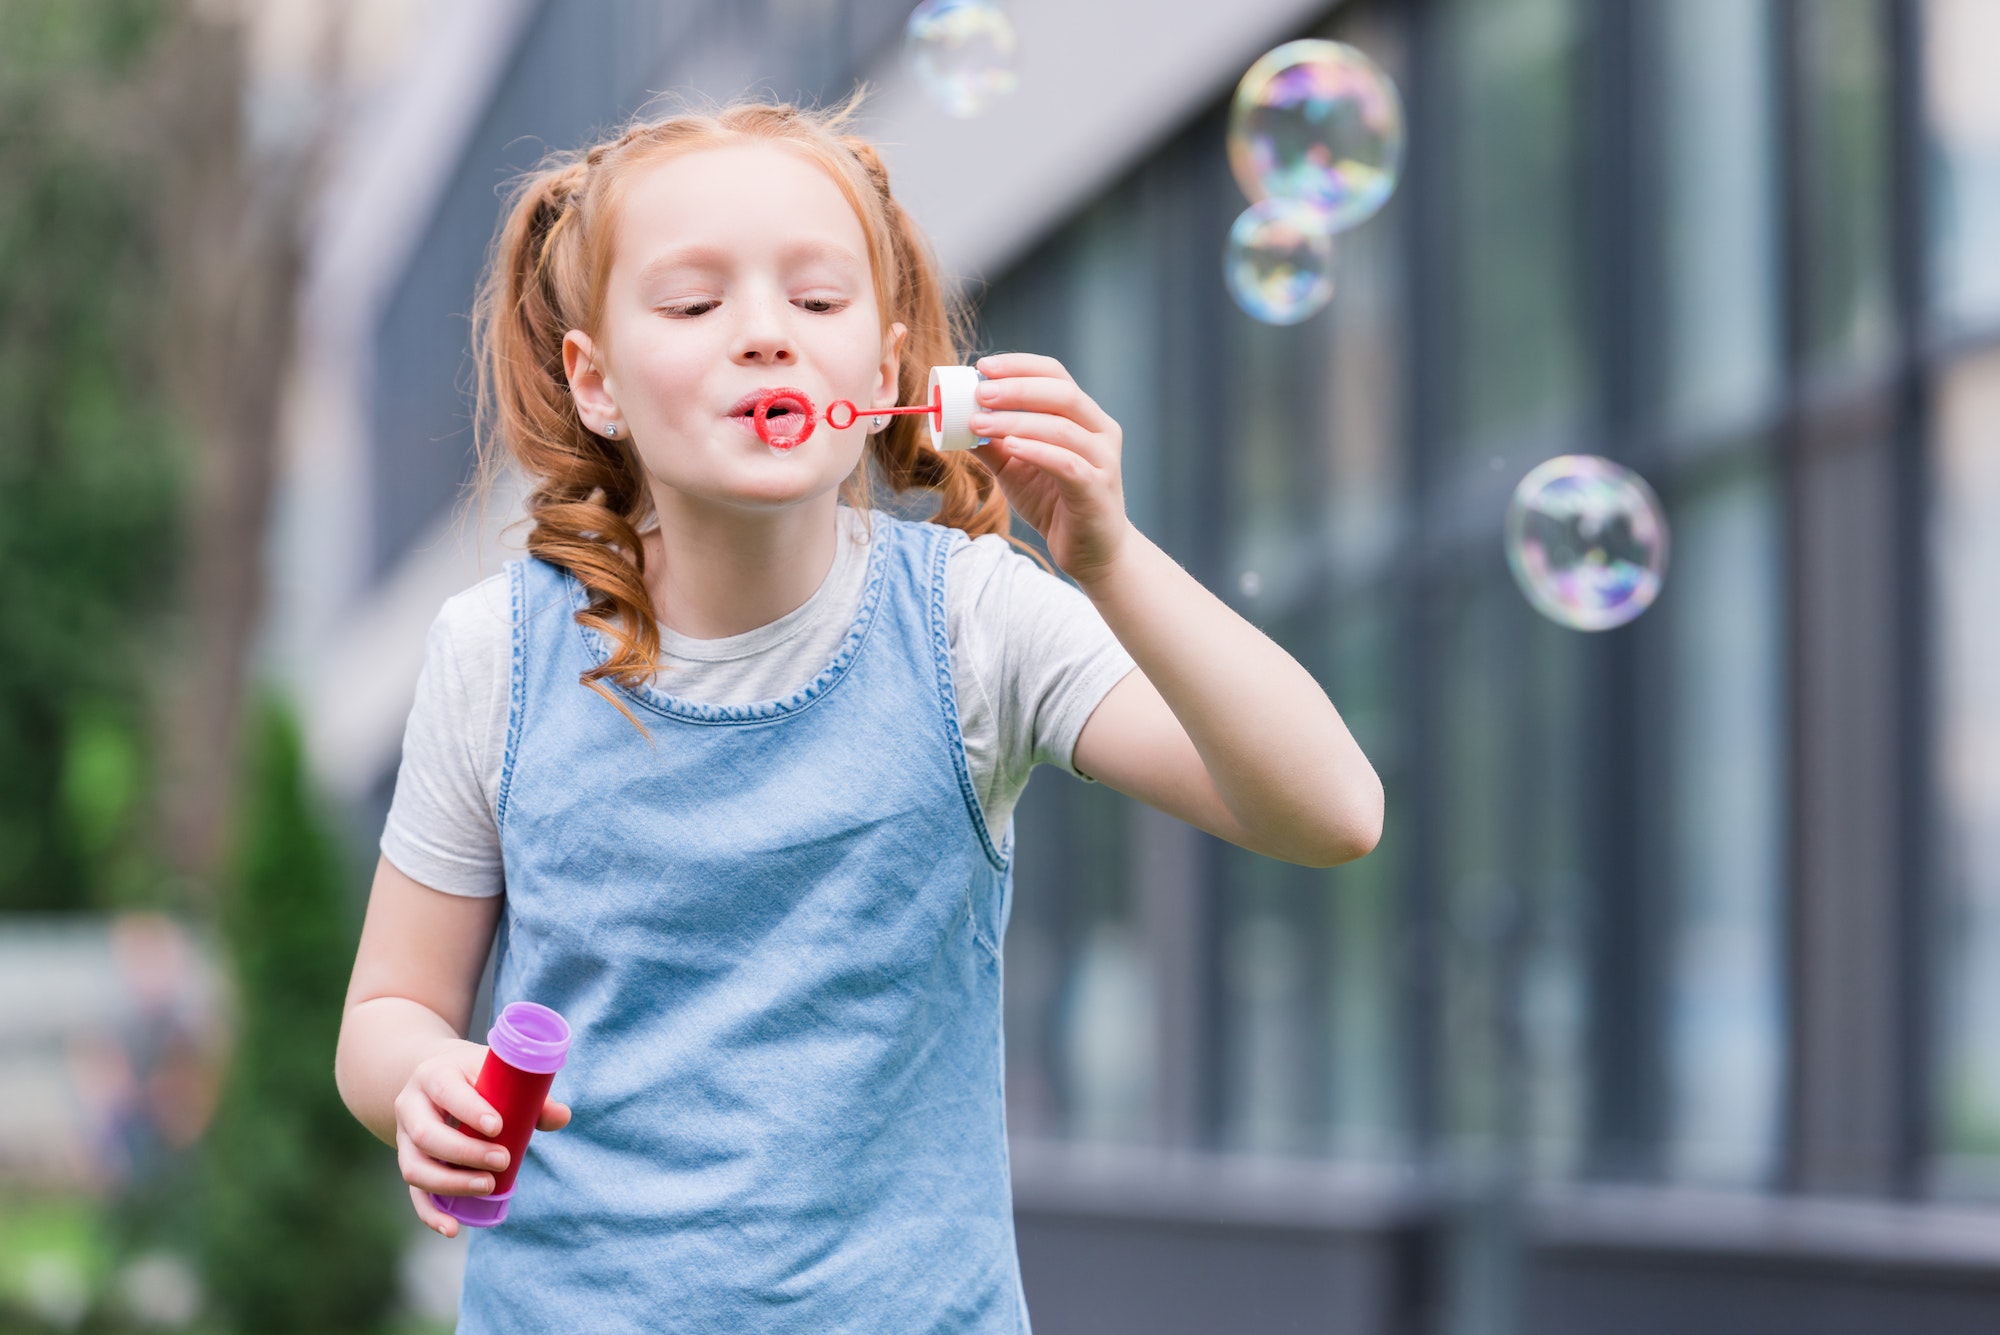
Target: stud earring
{"type": "Point", "coordinates": [878, 421]}
{"type": "Point", "coordinates": [611, 430]}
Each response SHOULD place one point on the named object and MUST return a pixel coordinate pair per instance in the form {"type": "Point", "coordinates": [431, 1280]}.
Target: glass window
{"type": "Point", "coordinates": [1720, 188]}
{"type": "Point", "coordinates": [1314, 466]}
{"type": "Point", "coordinates": [1364, 980]}
{"type": "Point", "coordinates": [1726, 831]}
{"type": "Point", "coordinates": [1843, 85]}
{"type": "Point", "coordinates": [1516, 284]}
{"type": "Point", "coordinates": [1512, 728]}
{"type": "Point", "coordinates": [1965, 566]}
{"type": "Point", "coordinates": [1114, 353]}
{"type": "Point", "coordinates": [1082, 1029]}
{"type": "Point", "coordinates": [1961, 39]}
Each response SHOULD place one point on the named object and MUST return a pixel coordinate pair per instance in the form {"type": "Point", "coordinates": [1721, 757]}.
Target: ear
{"type": "Point", "coordinates": [887, 386]}
{"type": "Point", "coordinates": [586, 381]}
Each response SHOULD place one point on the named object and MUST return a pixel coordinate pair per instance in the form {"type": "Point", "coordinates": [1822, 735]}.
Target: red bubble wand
{"type": "Point", "coordinates": [809, 415]}
{"type": "Point", "coordinates": [950, 411]}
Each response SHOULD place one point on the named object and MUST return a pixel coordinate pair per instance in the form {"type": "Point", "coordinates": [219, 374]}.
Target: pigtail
{"type": "Point", "coordinates": [588, 494]}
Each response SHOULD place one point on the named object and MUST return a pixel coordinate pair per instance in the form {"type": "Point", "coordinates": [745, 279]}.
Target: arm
{"type": "Point", "coordinates": [402, 1061]}
{"type": "Point", "coordinates": [1219, 727]}
{"type": "Point", "coordinates": [416, 974]}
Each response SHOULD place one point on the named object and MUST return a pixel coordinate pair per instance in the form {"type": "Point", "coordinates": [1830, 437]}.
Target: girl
{"type": "Point", "coordinates": [737, 760]}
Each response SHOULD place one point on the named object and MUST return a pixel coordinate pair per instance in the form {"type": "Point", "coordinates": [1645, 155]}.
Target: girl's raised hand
{"type": "Point", "coordinates": [1056, 454]}
{"type": "Point", "coordinates": [427, 1146]}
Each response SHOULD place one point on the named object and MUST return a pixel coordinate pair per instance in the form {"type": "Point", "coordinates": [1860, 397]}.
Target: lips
{"type": "Point", "coordinates": [788, 416]}
{"type": "Point", "coordinates": [783, 407]}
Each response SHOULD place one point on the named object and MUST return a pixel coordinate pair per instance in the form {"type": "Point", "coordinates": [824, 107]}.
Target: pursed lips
{"type": "Point", "coordinates": [783, 419]}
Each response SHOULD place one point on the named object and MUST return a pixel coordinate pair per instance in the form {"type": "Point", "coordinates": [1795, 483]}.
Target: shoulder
{"type": "Point", "coordinates": [992, 571]}
{"type": "Point", "coordinates": [476, 623]}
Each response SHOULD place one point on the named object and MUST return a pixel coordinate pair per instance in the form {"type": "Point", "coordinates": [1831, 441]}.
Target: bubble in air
{"type": "Point", "coordinates": [962, 52]}
{"type": "Point", "coordinates": [1320, 122]}
{"type": "Point", "coordinates": [1279, 261]}
{"type": "Point", "coordinates": [1587, 542]}
{"type": "Point", "coordinates": [1250, 584]}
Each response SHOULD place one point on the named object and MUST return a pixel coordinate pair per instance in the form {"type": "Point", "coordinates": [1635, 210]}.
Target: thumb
{"type": "Point", "coordinates": [555, 1116]}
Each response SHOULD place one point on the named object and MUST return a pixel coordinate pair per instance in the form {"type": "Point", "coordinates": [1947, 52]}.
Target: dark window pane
{"type": "Point", "coordinates": [1722, 353]}
{"type": "Point", "coordinates": [1314, 461]}
{"type": "Point", "coordinates": [1080, 1015]}
{"type": "Point", "coordinates": [1513, 728]}
{"type": "Point", "coordinates": [1843, 89]}
{"type": "Point", "coordinates": [1726, 832]}
{"type": "Point", "coordinates": [1966, 570]}
{"type": "Point", "coordinates": [1961, 43]}
{"type": "Point", "coordinates": [1516, 295]}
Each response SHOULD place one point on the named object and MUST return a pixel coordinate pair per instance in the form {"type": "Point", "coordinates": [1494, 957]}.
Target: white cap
{"type": "Point", "coordinates": [952, 387]}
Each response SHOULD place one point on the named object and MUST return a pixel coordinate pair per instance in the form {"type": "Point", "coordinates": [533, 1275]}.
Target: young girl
{"type": "Point", "coordinates": [737, 760]}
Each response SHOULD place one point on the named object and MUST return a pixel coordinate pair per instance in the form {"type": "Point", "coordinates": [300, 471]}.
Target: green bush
{"type": "Point", "coordinates": [300, 1230]}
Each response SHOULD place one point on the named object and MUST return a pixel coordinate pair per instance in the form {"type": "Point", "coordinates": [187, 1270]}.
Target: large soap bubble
{"type": "Point", "coordinates": [1587, 542]}
{"type": "Point", "coordinates": [962, 52]}
{"type": "Point", "coordinates": [1318, 121]}
{"type": "Point", "coordinates": [1279, 261]}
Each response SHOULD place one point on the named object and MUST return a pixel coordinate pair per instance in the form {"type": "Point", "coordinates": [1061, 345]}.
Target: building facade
{"type": "Point", "coordinates": [1666, 1002]}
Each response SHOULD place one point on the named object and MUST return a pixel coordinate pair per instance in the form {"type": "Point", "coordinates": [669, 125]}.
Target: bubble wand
{"type": "Point", "coordinates": [950, 409]}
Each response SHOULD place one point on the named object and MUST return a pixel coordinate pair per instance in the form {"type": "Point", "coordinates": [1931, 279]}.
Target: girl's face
{"type": "Point", "coordinates": [735, 270]}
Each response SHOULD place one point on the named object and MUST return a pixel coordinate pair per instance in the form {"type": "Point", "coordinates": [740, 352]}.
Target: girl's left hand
{"type": "Point", "coordinates": [1056, 454]}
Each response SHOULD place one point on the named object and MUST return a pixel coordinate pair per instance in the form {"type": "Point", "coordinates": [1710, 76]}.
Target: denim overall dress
{"type": "Point", "coordinates": [774, 929]}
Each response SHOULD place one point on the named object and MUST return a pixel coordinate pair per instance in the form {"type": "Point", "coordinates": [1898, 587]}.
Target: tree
{"type": "Point", "coordinates": [150, 260]}
{"type": "Point", "coordinates": [300, 1225]}
{"type": "Point", "coordinates": [90, 465]}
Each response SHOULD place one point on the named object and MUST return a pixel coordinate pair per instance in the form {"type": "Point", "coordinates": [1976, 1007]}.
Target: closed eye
{"type": "Point", "coordinates": [821, 305]}
{"type": "Point", "coordinates": [690, 309]}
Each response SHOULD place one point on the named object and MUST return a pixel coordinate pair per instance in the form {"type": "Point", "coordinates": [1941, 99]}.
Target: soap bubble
{"type": "Point", "coordinates": [1318, 121]}
{"type": "Point", "coordinates": [1587, 542]}
{"type": "Point", "coordinates": [1250, 583]}
{"type": "Point", "coordinates": [1279, 261]}
{"type": "Point", "coordinates": [962, 52]}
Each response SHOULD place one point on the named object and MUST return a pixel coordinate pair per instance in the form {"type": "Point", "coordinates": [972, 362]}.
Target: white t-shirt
{"type": "Point", "coordinates": [1030, 660]}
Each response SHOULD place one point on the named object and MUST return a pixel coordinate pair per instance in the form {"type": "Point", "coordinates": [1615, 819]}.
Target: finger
{"type": "Point", "coordinates": [445, 1145]}
{"type": "Point", "coordinates": [1070, 470]}
{"type": "Point", "coordinates": [422, 1171]}
{"type": "Point", "coordinates": [1014, 473]}
{"type": "Point", "coordinates": [995, 455]}
{"type": "Point", "coordinates": [451, 1089]}
{"type": "Point", "coordinates": [555, 1116]}
{"type": "Point", "coordinates": [1005, 365]}
{"type": "Point", "coordinates": [1043, 394]}
{"type": "Point", "coordinates": [1044, 426]}
{"type": "Point", "coordinates": [430, 1216]}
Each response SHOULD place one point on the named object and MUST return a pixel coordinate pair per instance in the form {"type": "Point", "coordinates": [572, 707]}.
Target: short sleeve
{"type": "Point", "coordinates": [1032, 659]}
{"type": "Point", "coordinates": [441, 830]}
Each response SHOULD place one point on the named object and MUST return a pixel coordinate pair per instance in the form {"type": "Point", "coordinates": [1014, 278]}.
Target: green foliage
{"type": "Point", "coordinates": [89, 468]}
{"type": "Point", "coordinates": [300, 1230]}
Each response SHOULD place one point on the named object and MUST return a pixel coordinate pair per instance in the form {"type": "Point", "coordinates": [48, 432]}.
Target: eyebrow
{"type": "Point", "coordinates": [714, 257]}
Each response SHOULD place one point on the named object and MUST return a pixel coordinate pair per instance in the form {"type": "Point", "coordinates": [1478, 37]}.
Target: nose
{"type": "Point", "coordinates": [762, 338]}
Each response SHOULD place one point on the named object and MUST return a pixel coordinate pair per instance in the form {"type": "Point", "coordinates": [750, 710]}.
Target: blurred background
{"type": "Point", "coordinates": [1670, 1000]}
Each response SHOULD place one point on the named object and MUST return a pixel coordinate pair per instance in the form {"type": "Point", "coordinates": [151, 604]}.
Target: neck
{"type": "Point", "coordinates": [715, 571]}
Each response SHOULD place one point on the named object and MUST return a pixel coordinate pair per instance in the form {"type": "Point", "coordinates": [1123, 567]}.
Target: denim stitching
{"type": "Point", "coordinates": [517, 686]}
{"type": "Point", "coordinates": [944, 542]}
{"type": "Point", "coordinates": [941, 551]}
{"type": "Point", "coordinates": [650, 697]}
